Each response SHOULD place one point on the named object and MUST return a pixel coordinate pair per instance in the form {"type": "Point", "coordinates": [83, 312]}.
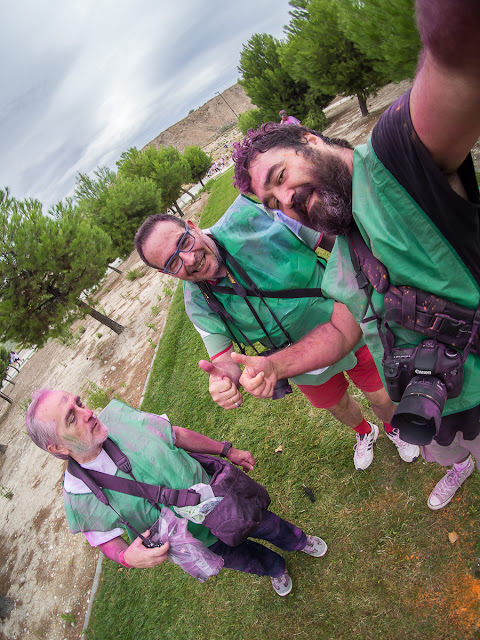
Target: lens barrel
{"type": "Point", "coordinates": [419, 412]}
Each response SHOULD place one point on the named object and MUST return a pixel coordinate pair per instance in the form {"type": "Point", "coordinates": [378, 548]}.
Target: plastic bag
{"type": "Point", "coordinates": [185, 550]}
{"type": "Point", "coordinates": [199, 512]}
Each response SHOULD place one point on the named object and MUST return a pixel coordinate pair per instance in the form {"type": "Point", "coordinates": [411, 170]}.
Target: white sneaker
{"type": "Point", "coordinates": [448, 485]}
{"type": "Point", "coordinates": [283, 584]}
{"type": "Point", "coordinates": [407, 452]}
{"type": "Point", "coordinates": [364, 448]}
{"type": "Point", "coordinates": [315, 547]}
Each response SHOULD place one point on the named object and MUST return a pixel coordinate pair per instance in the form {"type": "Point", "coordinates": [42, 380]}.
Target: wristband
{"type": "Point", "coordinates": [122, 560]}
{"type": "Point", "coordinates": [226, 448]}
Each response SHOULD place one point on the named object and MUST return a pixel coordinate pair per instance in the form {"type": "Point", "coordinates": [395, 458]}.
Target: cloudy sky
{"type": "Point", "coordinates": [84, 80]}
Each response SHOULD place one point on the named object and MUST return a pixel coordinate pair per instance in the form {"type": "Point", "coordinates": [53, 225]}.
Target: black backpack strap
{"type": "Point", "coordinates": [314, 292]}
{"type": "Point", "coordinates": [359, 255]}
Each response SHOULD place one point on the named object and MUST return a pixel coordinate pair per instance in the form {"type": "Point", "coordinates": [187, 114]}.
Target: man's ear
{"type": "Point", "coordinates": [312, 139]}
{"type": "Point", "coordinates": [193, 226]}
{"type": "Point", "coordinates": [55, 448]}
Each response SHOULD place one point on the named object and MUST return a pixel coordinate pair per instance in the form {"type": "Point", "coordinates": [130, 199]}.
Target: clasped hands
{"type": "Point", "coordinates": [258, 378]}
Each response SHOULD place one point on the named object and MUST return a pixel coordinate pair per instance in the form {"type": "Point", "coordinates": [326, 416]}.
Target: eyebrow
{"type": "Point", "coordinates": [268, 180]}
{"type": "Point", "coordinates": [270, 172]}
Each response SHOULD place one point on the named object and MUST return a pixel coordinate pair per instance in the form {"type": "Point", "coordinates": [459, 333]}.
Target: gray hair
{"type": "Point", "coordinates": [42, 433]}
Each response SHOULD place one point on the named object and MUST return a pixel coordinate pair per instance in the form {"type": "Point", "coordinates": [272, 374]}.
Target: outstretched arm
{"type": "Point", "coordinates": [445, 99]}
{"type": "Point", "coordinates": [198, 443]}
{"type": "Point", "coordinates": [223, 381]}
{"type": "Point", "coordinates": [323, 346]}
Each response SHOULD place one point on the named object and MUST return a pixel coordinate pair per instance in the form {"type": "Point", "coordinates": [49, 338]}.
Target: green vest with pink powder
{"type": "Point", "coordinates": [415, 253]}
{"type": "Point", "coordinates": [147, 440]}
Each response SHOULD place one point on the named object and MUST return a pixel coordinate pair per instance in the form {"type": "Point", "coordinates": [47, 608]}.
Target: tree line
{"type": "Point", "coordinates": [49, 260]}
{"type": "Point", "coordinates": [331, 47]}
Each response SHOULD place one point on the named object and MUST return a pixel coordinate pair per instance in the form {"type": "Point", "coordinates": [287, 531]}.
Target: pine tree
{"type": "Point", "coordinates": [322, 54]}
{"type": "Point", "coordinates": [46, 263]}
{"type": "Point", "coordinates": [198, 161]}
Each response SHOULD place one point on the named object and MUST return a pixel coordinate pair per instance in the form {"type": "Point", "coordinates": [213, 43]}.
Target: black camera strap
{"type": "Point", "coordinates": [208, 290]}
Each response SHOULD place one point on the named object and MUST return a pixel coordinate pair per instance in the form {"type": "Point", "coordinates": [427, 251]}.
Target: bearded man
{"type": "Point", "coordinates": [411, 196]}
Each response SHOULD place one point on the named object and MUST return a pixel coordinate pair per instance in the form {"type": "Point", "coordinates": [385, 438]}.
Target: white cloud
{"type": "Point", "coordinates": [84, 80]}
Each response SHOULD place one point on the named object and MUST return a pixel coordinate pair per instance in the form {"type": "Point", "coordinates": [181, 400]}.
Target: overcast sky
{"type": "Point", "coordinates": [84, 80]}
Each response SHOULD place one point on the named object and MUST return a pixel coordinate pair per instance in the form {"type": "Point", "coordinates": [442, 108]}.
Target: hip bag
{"type": "Point", "coordinates": [243, 507]}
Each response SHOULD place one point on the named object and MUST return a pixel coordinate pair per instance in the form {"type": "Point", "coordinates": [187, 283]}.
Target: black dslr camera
{"type": "Point", "coordinates": [421, 379]}
{"type": "Point", "coordinates": [282, 387]}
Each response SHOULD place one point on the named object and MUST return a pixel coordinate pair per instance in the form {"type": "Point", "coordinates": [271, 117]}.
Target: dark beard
{"type": "Point", "coordinates": [331, 181]}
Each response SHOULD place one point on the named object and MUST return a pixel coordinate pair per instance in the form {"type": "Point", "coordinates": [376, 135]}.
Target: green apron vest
{"type": "Point", "coordinates": [147, 440]}
{"type": "Point", "coordinates": [275, 259]}
{"type": "Point", "coordinates": [415, 253]}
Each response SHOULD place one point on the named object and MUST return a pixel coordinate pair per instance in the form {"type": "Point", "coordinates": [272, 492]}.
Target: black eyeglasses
{"type": "Point", "coordinates": [175, 262]}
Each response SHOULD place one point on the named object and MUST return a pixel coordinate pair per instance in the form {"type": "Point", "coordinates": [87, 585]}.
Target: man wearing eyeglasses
{"type": "Point", "coordinates": [222, 268]}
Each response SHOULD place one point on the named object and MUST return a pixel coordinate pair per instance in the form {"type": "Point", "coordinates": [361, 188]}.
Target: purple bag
{"type": "Point", "coordinates": [244, 503]}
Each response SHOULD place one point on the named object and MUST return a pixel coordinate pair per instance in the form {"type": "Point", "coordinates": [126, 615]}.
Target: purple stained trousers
{"type": "Point", "coordinates": [251, 557]}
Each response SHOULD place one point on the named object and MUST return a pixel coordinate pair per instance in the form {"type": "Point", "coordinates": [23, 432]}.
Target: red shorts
{"type": "Point", "coordinates": [364, 376]}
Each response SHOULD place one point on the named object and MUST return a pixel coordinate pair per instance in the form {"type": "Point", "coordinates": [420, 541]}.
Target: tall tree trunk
{"type": "Point", "coordinates": [108, 322]}
{"type": "Point", "coordinates": [179, 211]}
{"type": "Point", "coordinates": [190, 194]}
{"type": "Point", "coordinates": [114, 268]}
{"type": "Point", "coordinates": [362, 102]}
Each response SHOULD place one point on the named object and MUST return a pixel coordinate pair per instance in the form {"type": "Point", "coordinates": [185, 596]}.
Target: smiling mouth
{"type": "Point", "coordinates": [200, 265]}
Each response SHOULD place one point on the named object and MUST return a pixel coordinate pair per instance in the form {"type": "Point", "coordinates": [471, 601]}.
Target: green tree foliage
{"type": "Point", "coordinates": [385, 31]}
{"type": "Point", "coordinates": [251, 119]}
{"type": "Point", "coordinates": [4, 362]}
{"type": "Point", "coordinates": [198, 161]}
{"type": "Point", "coordinates": [323, 55]}
{"type": "Point", "coordinates": [130, 200]}
{"type": "Point", "coordinates": [269, 83]}
{"type": "Point", "coordinates": [165, 166]}
{"type": "Point", "coordinates": [91, 193]}
{"type": "Point", "coordinates": [46, 262]}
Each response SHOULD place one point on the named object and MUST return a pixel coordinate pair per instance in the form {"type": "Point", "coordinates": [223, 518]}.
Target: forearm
{"type": "Point", "coordinates": [196, 442]}
{"type": "Point", "coordinates": [113, 547]}
{"type": "Point", "coordinates": [323, 346]}
{"type": "Point", "coordinates": [320, 348]}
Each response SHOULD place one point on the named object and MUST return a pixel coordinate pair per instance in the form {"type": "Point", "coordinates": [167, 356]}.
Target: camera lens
{"type": "Point", "coordinates": [419, 412]}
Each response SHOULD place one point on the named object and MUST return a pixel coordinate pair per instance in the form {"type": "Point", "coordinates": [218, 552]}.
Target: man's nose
{"type": "Point", "coordinates": [286, 198]}
{"type": "Point", "coordinates": [188, 258]}
{"type": "Point", "coordinates": [87, 414]}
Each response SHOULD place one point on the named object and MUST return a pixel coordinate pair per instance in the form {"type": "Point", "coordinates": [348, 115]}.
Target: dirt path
{"type": "Point", "coordinates": [44, 569]}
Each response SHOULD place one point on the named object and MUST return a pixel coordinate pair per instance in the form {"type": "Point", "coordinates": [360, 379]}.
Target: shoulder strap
{"type": "Point", "coordinates": [96, 481]}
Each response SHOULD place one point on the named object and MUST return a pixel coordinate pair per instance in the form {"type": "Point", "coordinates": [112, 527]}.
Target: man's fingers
{"type": "Point", "coordinates": [240, 358]}
{"type": "Point", "coordinates": [211, 369]}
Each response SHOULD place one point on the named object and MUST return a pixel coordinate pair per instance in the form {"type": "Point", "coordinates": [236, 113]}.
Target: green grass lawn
{"type": "Point", "coordinates": [391, 572]}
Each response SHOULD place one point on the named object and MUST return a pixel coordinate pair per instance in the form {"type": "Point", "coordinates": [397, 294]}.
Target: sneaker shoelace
{"type": "Point", "coordinates": [399, 443]}
{"type": "Point", "coordinates": [449, 481]}
{"type": "Point", "coordinates": [363, 442]}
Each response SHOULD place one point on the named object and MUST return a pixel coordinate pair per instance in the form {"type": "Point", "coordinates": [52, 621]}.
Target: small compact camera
{"type": "Point", "coordinates": [421, 379]}
{"type": "Point", "coordinates": [153, 540]}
